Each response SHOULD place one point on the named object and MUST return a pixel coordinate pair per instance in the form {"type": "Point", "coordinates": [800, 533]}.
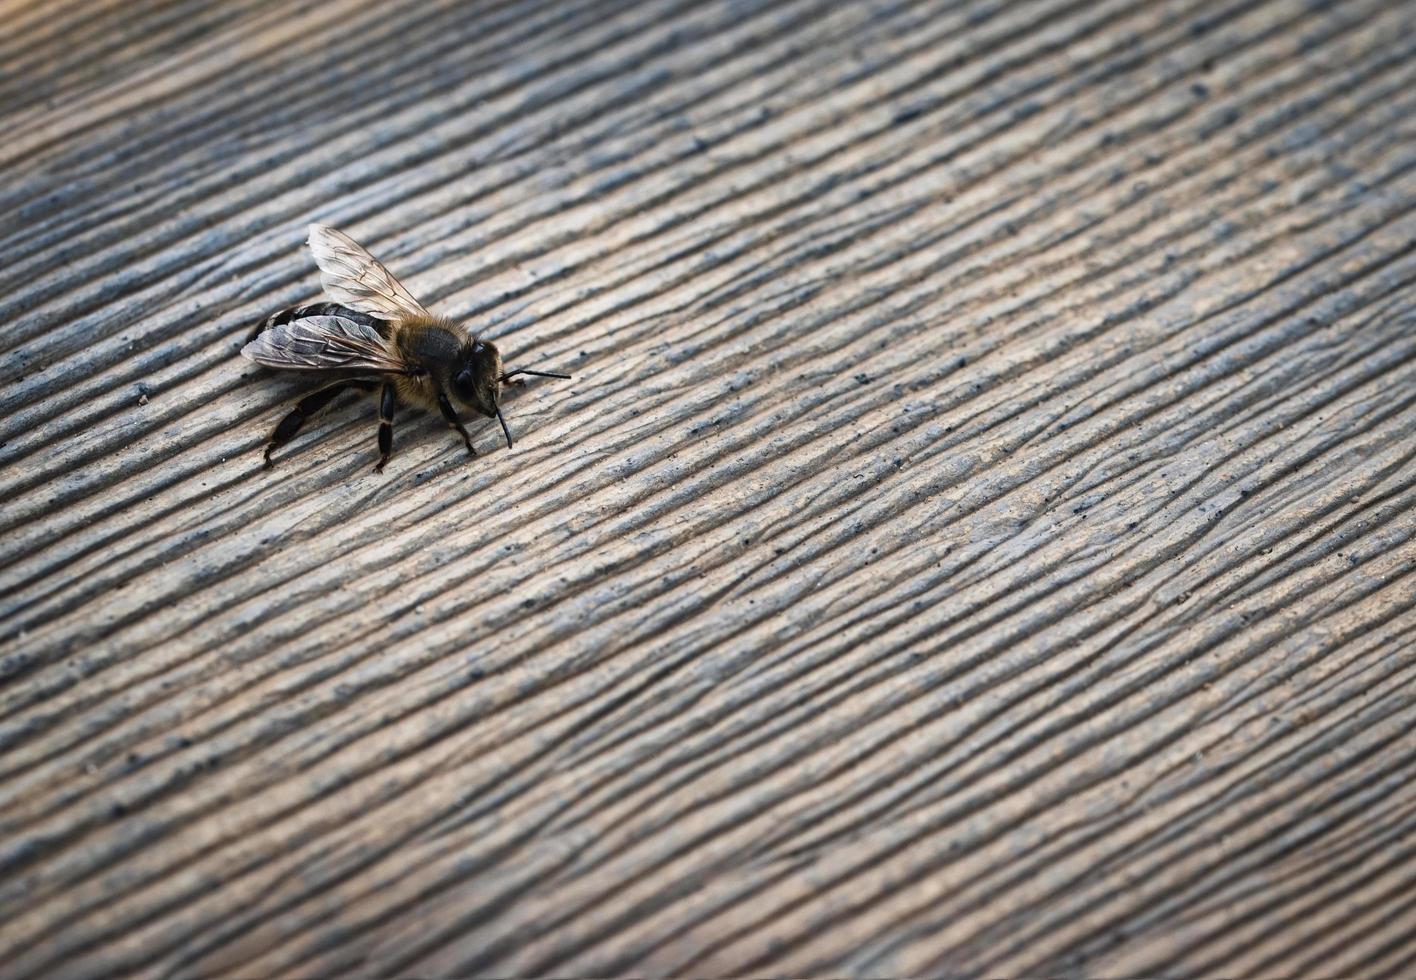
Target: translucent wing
{"type": "Point", "coordinates": [324, 343]}
{"type": "Point", "coordinates": [355, 278]}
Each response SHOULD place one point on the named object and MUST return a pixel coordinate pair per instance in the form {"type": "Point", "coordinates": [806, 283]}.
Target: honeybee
{"type": "Point", "coordinates": [376, 338]}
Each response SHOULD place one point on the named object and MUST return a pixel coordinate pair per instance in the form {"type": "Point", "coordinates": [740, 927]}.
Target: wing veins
{"type": "Point", "coordinates": [325, 343]}
{"type": "Point", "coordinates": [355, 278]}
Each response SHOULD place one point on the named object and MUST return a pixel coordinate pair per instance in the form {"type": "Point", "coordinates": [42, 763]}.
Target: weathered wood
{"type": "Point", "coordinates": [978, 538]}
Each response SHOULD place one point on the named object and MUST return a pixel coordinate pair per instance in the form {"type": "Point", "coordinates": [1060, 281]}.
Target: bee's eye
{"type": "Point", "coordinates": [462, 385]}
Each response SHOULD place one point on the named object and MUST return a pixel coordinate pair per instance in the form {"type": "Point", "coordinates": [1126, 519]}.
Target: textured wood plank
{"type": "Point", "coordinates": [978, 538]}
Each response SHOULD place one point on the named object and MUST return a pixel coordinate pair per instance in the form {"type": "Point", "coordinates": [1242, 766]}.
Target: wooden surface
{"type": "Point", "coordinates": [978, 538]}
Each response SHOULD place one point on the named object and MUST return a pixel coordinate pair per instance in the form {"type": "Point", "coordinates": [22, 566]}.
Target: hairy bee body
{"type": "Point", "coordinates": [434, 343]}
{"type": "Point", "coordinates": [377, 338]}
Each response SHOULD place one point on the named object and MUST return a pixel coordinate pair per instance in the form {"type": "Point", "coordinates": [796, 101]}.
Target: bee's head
{"type": "Point", "coordinates": [477, 381]}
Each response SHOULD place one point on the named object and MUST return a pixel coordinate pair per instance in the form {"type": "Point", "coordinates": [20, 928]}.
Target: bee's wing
{"type": "Point", "coordinates": [325, 343]}
{"type": "Point", "coordinates": [355, 278]}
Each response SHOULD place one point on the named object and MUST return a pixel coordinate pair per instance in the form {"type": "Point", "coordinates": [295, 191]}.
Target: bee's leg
{"type": "Point", "coordinates": [450, 414]}
{"type": "Point", "coordinates": [386, 405]}
{"type": "Point", "coordinates": [305, 408]}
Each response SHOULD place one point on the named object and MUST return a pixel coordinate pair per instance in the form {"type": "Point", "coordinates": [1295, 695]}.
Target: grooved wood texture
{"type": "Point", "coordinates": [978, 538]}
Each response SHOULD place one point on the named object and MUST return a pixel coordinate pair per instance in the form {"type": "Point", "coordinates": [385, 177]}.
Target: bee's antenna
{"type": "Point", "coordinates": [504, 428]}
{"type": "Point", "coordinates": [539, 374]}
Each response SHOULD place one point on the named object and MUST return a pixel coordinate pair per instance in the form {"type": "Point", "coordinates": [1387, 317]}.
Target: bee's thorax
{"type": "Point", "coordinates": [433, 345]}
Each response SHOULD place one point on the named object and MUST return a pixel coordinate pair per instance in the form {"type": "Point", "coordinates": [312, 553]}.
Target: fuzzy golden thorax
{"type": "Point", "coordinates": [468, 369]}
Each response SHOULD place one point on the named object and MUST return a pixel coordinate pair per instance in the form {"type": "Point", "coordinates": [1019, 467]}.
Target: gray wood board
{"type": "Point", "coordinates": [977, 538]}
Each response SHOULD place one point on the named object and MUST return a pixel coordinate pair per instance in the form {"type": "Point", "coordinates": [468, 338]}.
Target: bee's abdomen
{"type": "Point", "coordinates": [319, 309]}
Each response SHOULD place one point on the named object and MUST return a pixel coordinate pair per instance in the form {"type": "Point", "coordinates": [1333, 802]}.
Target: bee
{"type": "Point", "coordinates": [376, 338]}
